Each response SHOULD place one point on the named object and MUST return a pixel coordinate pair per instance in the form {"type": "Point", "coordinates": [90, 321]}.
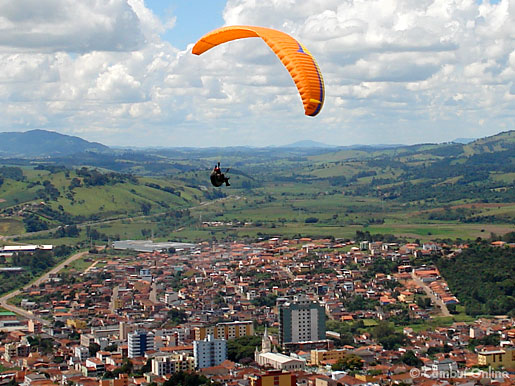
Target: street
{"type": "Point", "coordinates": [27, 314]}
{"type": "Point", "coordinates": [443, 308]}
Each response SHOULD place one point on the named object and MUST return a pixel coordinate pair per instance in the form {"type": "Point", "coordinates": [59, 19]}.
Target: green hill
{"type": "Point", "coordinates": [422, 191]}
{"type": "Point", "coordinates": [39, 143]}
{"type": "Point", "coordinates": [494, 268]}
{"type": "Point", "coordinates": [43, 199]}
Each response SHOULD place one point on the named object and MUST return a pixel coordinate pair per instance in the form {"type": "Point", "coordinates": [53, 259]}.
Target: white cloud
{"type": "Point", "coordinates": [395, 71]}
{"type": "Point", "coordinates": [68, 25]}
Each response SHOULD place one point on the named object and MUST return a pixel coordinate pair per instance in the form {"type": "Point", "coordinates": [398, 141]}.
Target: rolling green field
{"type": "Point", "coordinates": [426, 192]}
{"type": "Point", "coordinates": [82, 264]}
{"type": "Point", "coordinates": [11, 226]}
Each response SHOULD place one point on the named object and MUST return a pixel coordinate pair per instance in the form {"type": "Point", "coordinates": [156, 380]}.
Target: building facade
{"type": "Point", "coordinates": [13, 350]}
{"type": "Point", "coordinates": [301, 320]}
{"type": "Point", "coordinates": [317, 357]}
{"type": "Point", "coordinates": [165, 365]}
{"type": "Point", "coordinates": [139, 342]}
{"type": "Point", "coordinates": [273, 378]}
{"type": "Point", "coordinates": [226, 330]}
{"type": "Point", "coordinates": [209, 352]}
{"type": "Point", "coordinates": [122, 380]}
{"type": "Point", "coordinates": [81, 352]}
{"type": "Point", "coordinates": [35, 327]}
{"type": "Point", "coordinates": [502, 357]}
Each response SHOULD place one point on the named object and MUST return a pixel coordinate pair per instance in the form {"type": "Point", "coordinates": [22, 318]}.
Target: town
{"type": "Point", "coordinates": [295, 312]}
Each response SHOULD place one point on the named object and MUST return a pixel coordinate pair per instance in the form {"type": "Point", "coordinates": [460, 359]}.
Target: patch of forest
{"type": "Point", "coordinates": [483, 278]}
{"type": "Point", "coordinates": [33, 264]}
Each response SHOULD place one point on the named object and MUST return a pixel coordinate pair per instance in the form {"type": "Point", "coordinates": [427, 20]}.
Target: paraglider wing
{"type": "Point", "coordinates": [296, 58]}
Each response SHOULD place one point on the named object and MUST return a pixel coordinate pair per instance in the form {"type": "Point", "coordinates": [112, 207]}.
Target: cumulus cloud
{"type": "Point", "coordinates": [395, 71]}
{"type": "Point", "coordinates": [68, 25]}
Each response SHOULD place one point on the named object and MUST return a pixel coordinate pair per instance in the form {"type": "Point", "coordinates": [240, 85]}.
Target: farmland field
{"type": "Point", "coordinates": [420, 192]}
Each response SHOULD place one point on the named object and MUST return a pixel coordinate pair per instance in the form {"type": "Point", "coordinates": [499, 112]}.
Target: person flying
{"type": "Point", "coordinates": [218, 178]}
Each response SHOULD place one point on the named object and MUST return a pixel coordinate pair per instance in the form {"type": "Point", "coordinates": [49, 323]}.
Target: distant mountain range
{"type": "Point", "coordinates": [309, 144]}
{"type": "Point", "coordinates": [41, 143]}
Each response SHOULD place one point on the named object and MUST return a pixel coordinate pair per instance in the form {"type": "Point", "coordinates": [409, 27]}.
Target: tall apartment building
{"type": "Point", "coordinates": [165, 365]}
{"type": "Point", "coordinates": [301, 320]}
{"type": "Point", "coordinates": [209, 352]}
{"type": "Point", "coordinates": [35, 327]}
{"type": "Point", "coordinates": [139, 342]}
{"type": "Point", "coordinates": [124, 330]}
{"type": "Point", "coordinates": [226, 330]}
{"type": "Point", "coordinates": [81, 352]}
{"type": "Point", "coordinates": [13, 350]}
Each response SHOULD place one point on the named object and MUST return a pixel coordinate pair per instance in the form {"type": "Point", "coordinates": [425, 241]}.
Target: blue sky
{"type": "Point", "coordinates": [193, 18]}
{"type": "Point", "coordinates": [122, 72]}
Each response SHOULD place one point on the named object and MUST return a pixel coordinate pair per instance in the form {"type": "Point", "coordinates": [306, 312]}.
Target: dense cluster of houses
{"type": "Point", "coordinates": [91, 323]}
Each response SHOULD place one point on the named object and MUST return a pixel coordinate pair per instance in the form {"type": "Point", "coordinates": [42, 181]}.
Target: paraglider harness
{"type": "Point", "coordinates": [218, 178]}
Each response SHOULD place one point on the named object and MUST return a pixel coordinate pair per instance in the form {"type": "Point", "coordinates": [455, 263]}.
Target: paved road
{"type": "Point", "coordinates": [443, 308]}
{"type": "Point", "coordinates": [153, 293]}
{"type": "Point", "coordinates": [20, 311]}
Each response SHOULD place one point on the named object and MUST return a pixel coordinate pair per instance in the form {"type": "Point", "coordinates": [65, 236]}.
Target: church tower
{"type": "Point", "coordinates": [266, 346]}
{"type": "Point", "coordinates": [266, 343]}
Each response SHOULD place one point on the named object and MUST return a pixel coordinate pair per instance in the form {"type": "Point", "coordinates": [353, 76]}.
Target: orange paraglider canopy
{"type": "Point", "coordinates": [296, 58]}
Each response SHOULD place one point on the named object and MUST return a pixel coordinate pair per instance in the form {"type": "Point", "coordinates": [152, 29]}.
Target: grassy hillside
{"type": "Point", "coordinates": [58, 197]}
{"type": "Point", "coordinates": [423, 191]}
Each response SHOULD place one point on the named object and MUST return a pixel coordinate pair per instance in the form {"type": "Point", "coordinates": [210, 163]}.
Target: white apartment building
{"type": "Point", "coordinates": [209, 352]}
{"type": "Point", "coordinates": [139, 342]}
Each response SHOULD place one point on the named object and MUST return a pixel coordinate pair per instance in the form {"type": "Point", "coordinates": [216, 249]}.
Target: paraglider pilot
{"type": "Point", "coordinates": [218, 178]}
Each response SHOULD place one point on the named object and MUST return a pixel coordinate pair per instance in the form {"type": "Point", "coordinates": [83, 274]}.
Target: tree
{"type": "Point", "coordinates": [183, 378]}
{"type": "Point", "coordinates": [125, 368]}
{"type": "Point", "coordinates": [265, 301]}
{"type": "Point", "coordinates": [348, 362]}
{"type": "Point", "coordinates": [360, 303]}
{"type": "Point", "coordinates": [147, 366]}
{"type": "Point", "coordinates": [145, 208]}
{"type": "Point", "coordinates": [493, 267]}
{"type": "Point", "coordinates": [382, 329]}
{"type": "Point", "coordinates": [385, 334]}
{"type": "Point", "coordinates": [33, 223]}
{"type": "Point", "coordinates": [411, 359]}
{"type": "Point", "coordinates": [111, 348]}
{"type": "Point", "coordinates": [452, 308]}
{"type": "Point", "coordinates": [424, 302]}
{"type": "Point", "coordinates": [176, 316]}
{"type": "Point", "coordinates": [93, 348]}
{"type": "Point", "coordinates": [74, 183]}
{"type": "Point", "coordinates": [487, 340]}
{"type": "Point", "coordinates": [243, 347]}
